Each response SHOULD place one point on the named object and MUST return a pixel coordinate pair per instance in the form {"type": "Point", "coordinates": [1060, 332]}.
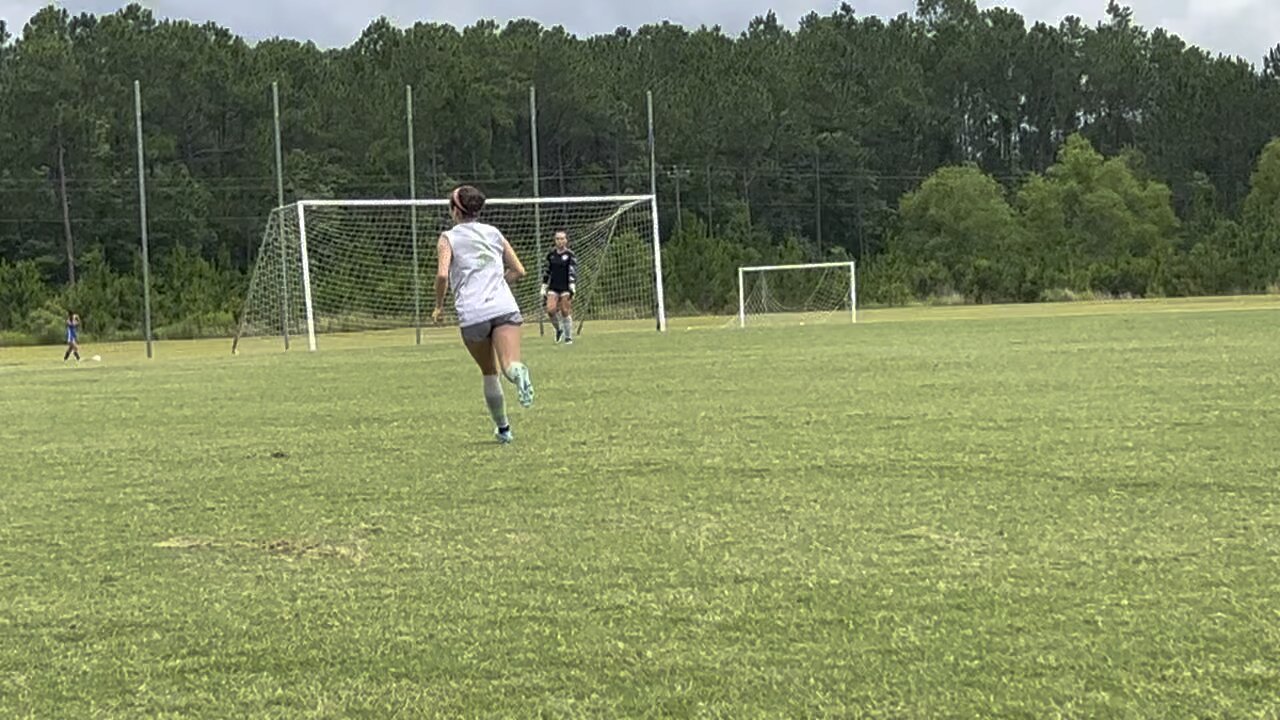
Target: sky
{"type": "Point", "coordinates": [1247, 28]}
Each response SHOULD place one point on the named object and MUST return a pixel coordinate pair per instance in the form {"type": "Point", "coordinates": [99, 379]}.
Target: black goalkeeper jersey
{"type": "Point", "coordinates": [560, 270]}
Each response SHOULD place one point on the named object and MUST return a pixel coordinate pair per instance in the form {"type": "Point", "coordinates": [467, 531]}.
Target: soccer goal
{"type": "Point", "coordinates": [345, 266]}
{"type": "Point", "coordinates": [809, 293]}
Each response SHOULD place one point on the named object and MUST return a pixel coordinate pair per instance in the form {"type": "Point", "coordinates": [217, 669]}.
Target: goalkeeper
{"type": "Point", "coordinates": [559, 282]}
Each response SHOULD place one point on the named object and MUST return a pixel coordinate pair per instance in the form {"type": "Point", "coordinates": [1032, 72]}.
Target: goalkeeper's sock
{"type": "Point", "coordinates": [496, 402]}
{"type": "Point", "coordinates": [555, 320]}
{"type": "Point", "coordinates": [568, 329]}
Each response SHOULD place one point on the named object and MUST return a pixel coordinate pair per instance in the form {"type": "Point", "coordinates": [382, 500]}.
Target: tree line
{"type": "Point", "coordinates": [951, 151]}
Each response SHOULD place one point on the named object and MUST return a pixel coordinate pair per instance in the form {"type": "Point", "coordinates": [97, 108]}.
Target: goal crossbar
{"type": "Point", "coordinates": [432, 202]}
{"type": "Point", "coordinates": [802, 266]}
{"type": "Point", "coordinates": [853, 283]}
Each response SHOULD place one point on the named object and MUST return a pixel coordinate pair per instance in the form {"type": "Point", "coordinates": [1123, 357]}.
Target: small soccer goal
{"type": "Point", "coordinates": [361, 266]}
{"type": "Point", "coordinates": [798, 294]}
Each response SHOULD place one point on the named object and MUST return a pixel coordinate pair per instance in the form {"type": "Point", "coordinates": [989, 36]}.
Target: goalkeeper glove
{"type": "Point", "coordinates": [544, 290]}
{"type": "Point", "coordinates": [573, 288]}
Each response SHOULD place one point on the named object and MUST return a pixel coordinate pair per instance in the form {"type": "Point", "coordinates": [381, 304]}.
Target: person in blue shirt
{"type": "Point", "coordinates": [73, 336]}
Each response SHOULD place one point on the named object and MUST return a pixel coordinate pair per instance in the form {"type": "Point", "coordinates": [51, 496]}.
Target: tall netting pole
{"type": "Point", "coordinates": [413, 216]}
{"type": "Point", "coordinates": [284, 271]}
{"type": "Point", "coordinates": [537, 194]}
{"type": "Point", "coordinates": [817, 197]}
{"type": "Point", "coordinates": [142, 217]}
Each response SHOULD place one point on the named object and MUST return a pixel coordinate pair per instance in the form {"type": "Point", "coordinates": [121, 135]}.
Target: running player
{"type": "Point", "coordinates": [559, 281]}
{"type": "Point", "coordinates": [73, 337]}
{"type": "Point", "coordinates": [478, 263]}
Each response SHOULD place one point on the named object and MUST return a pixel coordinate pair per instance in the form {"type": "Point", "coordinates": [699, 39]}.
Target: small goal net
{"type": "Point", "coordinates": [344, 266]}
{"type": "Point", "coordinates": [797, 294]}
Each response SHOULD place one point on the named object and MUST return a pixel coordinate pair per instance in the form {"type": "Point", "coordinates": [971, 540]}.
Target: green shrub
{"type": "Point", "coordinates": [211, 324]}
{"type": "Point", "coordinates": [47, 324]}
{"type": "Point", "coordinates": [13, 338]}
{"type": "Point", "coordinates": [21, 290]}
{"type": "Point", "coordinates": [1061, 294]}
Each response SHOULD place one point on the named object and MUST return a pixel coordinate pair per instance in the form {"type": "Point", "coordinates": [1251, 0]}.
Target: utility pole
{"type": "Point", "coordinates": [678, 173]}
{"type": "Point", "coordinates": [710, 202]}
{"type": "Point", "coordinates": [817, 182]}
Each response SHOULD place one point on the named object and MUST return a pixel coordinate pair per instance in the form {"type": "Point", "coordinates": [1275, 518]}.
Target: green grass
{"type": "Point", "coordinates": [1017, 512]}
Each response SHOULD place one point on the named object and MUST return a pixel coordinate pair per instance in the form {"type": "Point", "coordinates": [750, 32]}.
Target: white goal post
{"type": "Point", "coordinates": [329, 266]}
{"type": "Point", "coordinates": [807, 291]}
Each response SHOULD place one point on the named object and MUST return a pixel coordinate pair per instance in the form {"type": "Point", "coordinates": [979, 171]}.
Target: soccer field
{"type": "Point", "coordinates": [1030, 511]}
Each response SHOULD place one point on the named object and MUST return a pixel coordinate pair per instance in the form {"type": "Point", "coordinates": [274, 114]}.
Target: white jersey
{"type": "Point", "coordinates": [477, 274]}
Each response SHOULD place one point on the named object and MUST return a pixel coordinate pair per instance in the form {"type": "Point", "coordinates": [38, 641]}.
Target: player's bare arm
{"type": "Point", "coordinates": [445, 254]}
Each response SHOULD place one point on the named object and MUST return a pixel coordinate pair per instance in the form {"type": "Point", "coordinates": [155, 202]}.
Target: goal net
{"type": "Point", "coordinates": [797, 294]}
{"type": "Point", "coordinates": [343, 266]}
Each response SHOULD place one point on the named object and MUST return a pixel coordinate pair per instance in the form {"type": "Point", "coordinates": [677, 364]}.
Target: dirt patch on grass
{"type": "Point", "coordinates": [354, 550]}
